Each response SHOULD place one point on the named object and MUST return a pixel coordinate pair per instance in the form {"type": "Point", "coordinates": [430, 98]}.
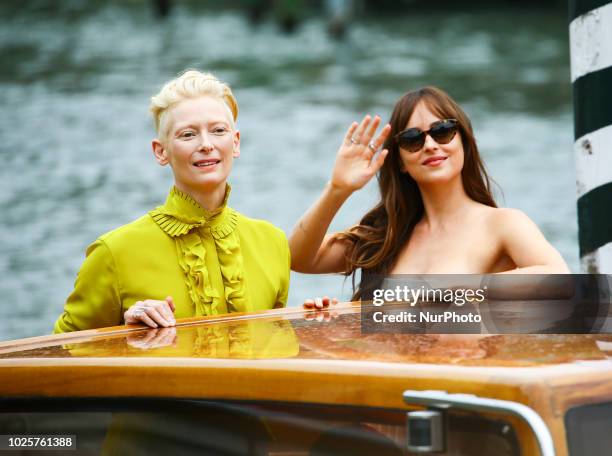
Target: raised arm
{"type": "Point", "coordinates": [311, 250]}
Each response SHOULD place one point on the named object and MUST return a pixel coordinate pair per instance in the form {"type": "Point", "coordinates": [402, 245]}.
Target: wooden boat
{"type": "Point", "coordinates": [295, 382]}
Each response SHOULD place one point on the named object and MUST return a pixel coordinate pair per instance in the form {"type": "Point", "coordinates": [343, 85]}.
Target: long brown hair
{"type": "Point", "coordinates": [380, 235]}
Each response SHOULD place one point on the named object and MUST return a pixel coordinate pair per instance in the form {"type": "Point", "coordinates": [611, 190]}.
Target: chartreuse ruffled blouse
{"type": "Point", "coordinates": [210, 262]}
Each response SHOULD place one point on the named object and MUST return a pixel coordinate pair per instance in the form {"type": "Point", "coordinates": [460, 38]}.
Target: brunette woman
{"type": "Point", "coordinates": [436, 213]}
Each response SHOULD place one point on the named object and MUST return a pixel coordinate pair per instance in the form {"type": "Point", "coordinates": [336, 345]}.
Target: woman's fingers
{"type": "Point", "coordinates": [132, 315]}
{"type": "Point", "coordinates": [363, 132]}
{"type": "Point", "coordinates": [170, 302]}
{"type": "Point", "coordinates": [380, 139]}
{"type": "Point", "coordinates": [166, 310]}
{"type": "Point", "coordinates": [152, 313]}
{"type": "Point", "coordinates": [375, 144]}
{"type": "Point", "coordinates": [322, 307]}
{"type": "Point", "coordinates": [320, 303]}
{"type": "Point", "coordinates": [349, 134]}
{"type": "Point", "coordinates": [146, 319]}
{"type": "Point", "coordinates": [357, 135]}
{"type": "Point", "coordinates": [378, 161]}
{"type": "Point", "coordinates": [156, 315]}
{"type": "Point", "coordinates": [370, 132]}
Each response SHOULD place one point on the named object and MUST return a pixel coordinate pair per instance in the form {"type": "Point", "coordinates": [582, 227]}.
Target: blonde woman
{"type": "Point", "coordinates": [193, 255]}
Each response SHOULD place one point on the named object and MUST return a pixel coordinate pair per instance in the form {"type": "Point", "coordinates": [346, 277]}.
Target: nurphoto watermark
{"type": "Point", "coordinates": [487, 304]}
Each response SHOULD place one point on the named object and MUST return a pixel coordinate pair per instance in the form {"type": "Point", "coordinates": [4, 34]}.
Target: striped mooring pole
{"type": "Point", "coordinates": [590, 33]}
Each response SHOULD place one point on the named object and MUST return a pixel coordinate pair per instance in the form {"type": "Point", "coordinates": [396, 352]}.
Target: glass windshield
{"type": "Point", "coordinates": [589, 429]}
{"type": "Point", "coordinates": [190, 427]}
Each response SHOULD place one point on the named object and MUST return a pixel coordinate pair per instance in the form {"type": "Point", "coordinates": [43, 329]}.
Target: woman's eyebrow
{"type": "Point", "coordinates": [182, 126]}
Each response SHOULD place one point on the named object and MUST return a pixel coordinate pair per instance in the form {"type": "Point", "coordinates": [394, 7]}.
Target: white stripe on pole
{"type": "Point", "coordinates": [592, 158]}
{"type": "Point", "coordinates": [599, 261]}
{"type": "Point", "coordinates": [591, 41]}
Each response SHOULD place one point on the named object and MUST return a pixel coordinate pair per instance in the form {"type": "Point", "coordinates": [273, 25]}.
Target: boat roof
{"type": "Point", "coordinates": [307, 355]}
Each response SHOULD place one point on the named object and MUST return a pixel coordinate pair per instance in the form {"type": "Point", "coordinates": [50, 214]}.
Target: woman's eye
{"type": "Point", "coordinates": [187, 134]}
{"type": "Point", "coordinates": [219, 131]}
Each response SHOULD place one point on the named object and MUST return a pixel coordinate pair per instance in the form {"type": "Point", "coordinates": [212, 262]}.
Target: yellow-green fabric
{"type": "Point", "coordinates": [210, 262]}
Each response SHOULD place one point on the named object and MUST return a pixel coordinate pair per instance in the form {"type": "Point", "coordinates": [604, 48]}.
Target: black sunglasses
{"type": "Point", "coordinates": [413, 139]}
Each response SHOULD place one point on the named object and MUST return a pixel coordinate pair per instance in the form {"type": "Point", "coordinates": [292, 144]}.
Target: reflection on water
{"type": "Point", "coordinates": [75, 132]}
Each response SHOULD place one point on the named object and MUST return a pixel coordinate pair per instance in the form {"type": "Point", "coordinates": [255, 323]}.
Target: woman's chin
{"type": "Point", "coordinates": [441, 177]}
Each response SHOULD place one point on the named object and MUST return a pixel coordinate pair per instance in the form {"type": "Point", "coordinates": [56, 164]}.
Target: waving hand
{"type": "Point", "coordinates": [356, 162]}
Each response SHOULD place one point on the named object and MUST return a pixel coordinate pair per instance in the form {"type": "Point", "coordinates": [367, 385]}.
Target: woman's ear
{"type": "Point", "coordinates": [236, 152]}
{"type": "Point", "coordinates": [160, 152]}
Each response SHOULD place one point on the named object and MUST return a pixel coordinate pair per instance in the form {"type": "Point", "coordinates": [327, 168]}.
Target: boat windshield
{"type": "Point", "coordinates": [176, 426]}
{"type": "Point", "coordinates": [588, 429]}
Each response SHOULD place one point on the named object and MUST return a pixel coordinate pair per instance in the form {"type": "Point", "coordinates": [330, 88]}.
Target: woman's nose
{"type": "Point", "coordinates": [430, 143]}
{"type": "Point", "coordinates": [205, 143]}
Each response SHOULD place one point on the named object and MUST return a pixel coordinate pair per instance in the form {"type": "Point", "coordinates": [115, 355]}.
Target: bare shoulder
{"type": "Point", "coordinates": [512, 226]}
{"type": "Point", "coordinates": [525, 243]}
{"type": "Point", "coordinates": [503, 218]}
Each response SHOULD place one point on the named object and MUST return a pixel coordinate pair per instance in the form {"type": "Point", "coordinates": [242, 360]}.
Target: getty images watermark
{"type": "Point", "coordinates": [486, 304]}
{"type": "Point", "coordinates": [405, 294]}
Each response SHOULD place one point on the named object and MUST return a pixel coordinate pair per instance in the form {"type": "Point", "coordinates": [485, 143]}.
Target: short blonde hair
{"type": "Point", "coordinates": [190, 84]}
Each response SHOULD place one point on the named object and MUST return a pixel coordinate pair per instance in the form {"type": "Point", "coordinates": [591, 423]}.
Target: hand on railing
{"type": "Point", "coordinates": [152, 313]}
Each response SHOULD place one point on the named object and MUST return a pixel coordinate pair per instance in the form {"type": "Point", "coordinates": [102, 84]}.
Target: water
{"type": "Point", "coordinates": [76, 134]}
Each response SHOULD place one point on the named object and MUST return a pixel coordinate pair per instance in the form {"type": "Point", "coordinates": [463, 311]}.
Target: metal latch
{"type": "Point", "coordinates": [440, 401]}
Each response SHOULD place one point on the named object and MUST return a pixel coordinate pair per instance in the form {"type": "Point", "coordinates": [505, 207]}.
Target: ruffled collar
{"type": "Point", "coordinates": [181, 213]}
